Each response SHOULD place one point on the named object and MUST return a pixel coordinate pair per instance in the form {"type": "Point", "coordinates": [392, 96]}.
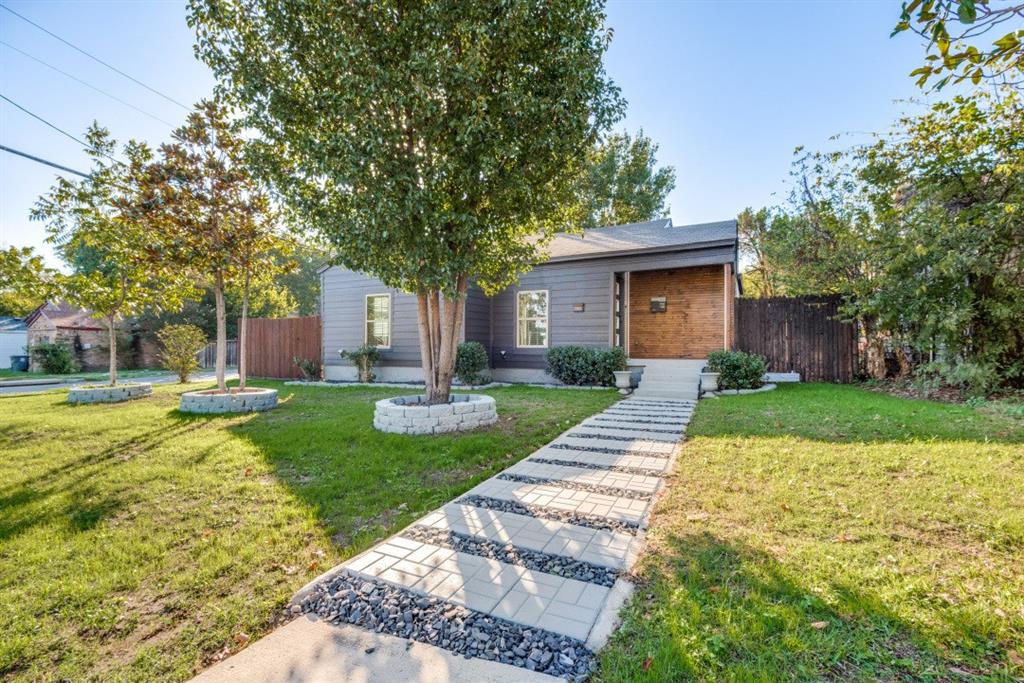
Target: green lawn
{"type": "Point", "coordinates": [823, 532]}
{"type": "Point", "coordinates": [137, 543]}
{"type": "Point", "coordinates": [7, 375]}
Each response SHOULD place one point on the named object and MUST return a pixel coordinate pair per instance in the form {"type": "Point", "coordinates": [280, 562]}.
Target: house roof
{"type": "Point", "coordinates": [637, 238]}
{"type": "Point", "coordinates": [64, 315]}
{"type": "Point", "coordinates": [12, 324]}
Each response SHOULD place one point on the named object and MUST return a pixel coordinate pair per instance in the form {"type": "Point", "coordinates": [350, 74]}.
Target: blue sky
{"type": "Point", "coordinates": [727, 89]}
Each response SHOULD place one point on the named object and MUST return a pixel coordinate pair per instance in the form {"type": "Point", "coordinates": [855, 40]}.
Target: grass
{"type": "Point", "coordinates": [141, 544]}
{"type": "Point", "coordinates": [824, 532]}
{"type": "Point", "coordinates": [7, 375]}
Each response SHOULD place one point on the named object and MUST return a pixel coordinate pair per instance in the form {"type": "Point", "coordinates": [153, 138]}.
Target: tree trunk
{"type": "Point", "coordinates": [242, 327]}
{"type": "Point", "coordinates": [875, 352]}
{"type": "Point", "coordinates": [113, 350]}
{"type": "Point", "coordinates": [222, 332]}
{"type": "Point", "coordinates": [440, 329]}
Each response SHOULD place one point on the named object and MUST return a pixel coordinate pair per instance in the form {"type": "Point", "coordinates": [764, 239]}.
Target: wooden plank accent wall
{"type": "Point", "coordinates": [694, 322]}
{"type": "Point", "coordinates": [273, 344]}
{"type": "Point", "coordinates": [799, 334]}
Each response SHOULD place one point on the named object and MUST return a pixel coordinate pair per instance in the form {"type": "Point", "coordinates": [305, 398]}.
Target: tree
{"type": "Point", "coordinates": [761, 278]}
{"type": "Point", "coordinates": [213, 215]}
{"type": "Point", "coordinates": [619, 183]}
{"type": "Point", "coordinates": [430, 143]}
{"type": "Point", "coordinates": [180, 345]}
{"type": "Point", "coordinates": [954, 57]}
{"type": "Point", "coordinates": [118, 265]}
{"type": "Point", "coordinates": [25, 281]}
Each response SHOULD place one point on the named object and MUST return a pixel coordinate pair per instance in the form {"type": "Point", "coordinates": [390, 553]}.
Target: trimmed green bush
{"type": "Point", "coordinates": [471, 363]}
{"type": "Point", "coordinates": [55, 359]}
{"type": "Point", "coordinates": [585, 365]}
{"type": "Point", "coordinates": [180, 345]}
{"type": "Point", "coordinates": [364, 359]}
{"type": "Point", "coordinates": [737, 369]}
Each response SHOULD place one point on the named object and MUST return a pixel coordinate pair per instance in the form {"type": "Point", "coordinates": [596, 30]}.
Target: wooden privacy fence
{"type": "Point", "coordinates": [273, 344]}
{"type": "Point", "coordinates": [208, 356]}
{"type": "Point", "coordinates": [799, 334]}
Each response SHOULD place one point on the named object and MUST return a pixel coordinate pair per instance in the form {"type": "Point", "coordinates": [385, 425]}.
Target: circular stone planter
{"type": "Point", "coordinates": [108, 394]}
{"type": "Point", "coordinates": [253, 399]}
{"type": "Point", "coordinates": [409, 414]}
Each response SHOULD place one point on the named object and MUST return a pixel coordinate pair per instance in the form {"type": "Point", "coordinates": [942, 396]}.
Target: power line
{"type": "Point", "coordinates": [86, 84]}
{"type": "Point", "coordinates": [57, 128]}
{"type": "Point", "coordinates": [95, 58]}
{"type": "Point", "coordinates": [40, 160]}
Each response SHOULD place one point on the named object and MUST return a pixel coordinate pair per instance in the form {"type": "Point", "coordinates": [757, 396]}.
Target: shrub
{"type": "Point", "coordinates": [471, 362]}
{"type": "Point", "coordinates": [309, 367]}
{"type": "Point", "coordinates": [737, 369]}
{"type": "Point", "coordinates": [364, 358]}
{"type": "Point", "coordinates": [55, 359]}
{"type": "Point", "coordinates": [180, 345]}
{"type": "Point", "coordinates": [585, 365]}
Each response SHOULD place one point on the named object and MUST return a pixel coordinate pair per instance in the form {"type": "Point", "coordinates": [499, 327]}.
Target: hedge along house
{"type": "Point", "coordinates": [664, 293]}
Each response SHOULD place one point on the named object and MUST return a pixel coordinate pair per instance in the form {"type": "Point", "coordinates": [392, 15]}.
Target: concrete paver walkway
{"type": "Point", "coordinates": [583, 500]}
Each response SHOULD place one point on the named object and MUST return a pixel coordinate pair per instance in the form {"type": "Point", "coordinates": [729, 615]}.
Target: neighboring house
{"type": "Point", "coordinates": [13, 339]}
{"type": "Point", "coordinates": [55, 322]}
{"type": "Point", "coordinates": [657, 290]}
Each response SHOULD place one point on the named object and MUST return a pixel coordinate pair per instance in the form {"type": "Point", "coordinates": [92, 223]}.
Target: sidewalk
{"type": "Point", "coordinates": [519, 576]}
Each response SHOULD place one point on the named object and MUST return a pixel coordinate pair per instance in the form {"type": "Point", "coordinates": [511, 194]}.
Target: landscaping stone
{"type": "Point", "coordinates": [593, 466]}
{"type": "Point", "coordinates": [615, 437]}
{"type": "Point", "coordinates": [385, 608]}
{"type": "Point", "coordinates": [508, 553]}
{"type": "Point", "coordinates": [609, 451]}
{"type": "Point", "coordinates": [542, 512]}
{"type": "Point", "coordinates": [108, 394]}
{"type": "Point", "coordinates": [593, 488]}
{"type": "Point", "coordinates": [405, 415]}
{"type": "Point", "coordinates": [253, 399]}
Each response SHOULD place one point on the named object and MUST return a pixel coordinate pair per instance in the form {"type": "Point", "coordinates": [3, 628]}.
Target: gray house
{"type": "Point", "coordinates": [660, 291]}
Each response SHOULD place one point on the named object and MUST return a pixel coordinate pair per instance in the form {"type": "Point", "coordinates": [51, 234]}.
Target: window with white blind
{"type": "Point", "coordinates": [532, 319]}
{"type": "Point", "coordinates": [378, 320]}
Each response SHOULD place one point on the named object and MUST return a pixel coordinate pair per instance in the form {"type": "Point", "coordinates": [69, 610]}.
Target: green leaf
{"type": "Point", "coordinates": [967, 12]}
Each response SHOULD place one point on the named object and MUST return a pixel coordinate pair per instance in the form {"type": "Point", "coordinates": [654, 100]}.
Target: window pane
{"type": "Point", "coordinates": [533, 304]}
{"type": "Point", "coordinates": [378, 320]}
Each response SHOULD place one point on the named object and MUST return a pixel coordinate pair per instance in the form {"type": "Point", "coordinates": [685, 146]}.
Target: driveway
{"type": "Point", "coordinates": [204, 376]}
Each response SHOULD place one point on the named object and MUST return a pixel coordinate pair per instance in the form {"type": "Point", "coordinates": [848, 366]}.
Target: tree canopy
{"type": "Point", "coordinates": [25, 281]}
{"type": "Point", "coordinates": [429, 143]}
{"type": "Point", "coordinates": [620, 182]}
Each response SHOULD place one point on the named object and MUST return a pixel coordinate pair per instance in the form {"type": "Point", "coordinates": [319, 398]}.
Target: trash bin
{"type": "Point", "coordinates": [19, 363]}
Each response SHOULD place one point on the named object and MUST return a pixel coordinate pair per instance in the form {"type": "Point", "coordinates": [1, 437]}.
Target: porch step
{"type": "Point", "coordinates": [669, 378]}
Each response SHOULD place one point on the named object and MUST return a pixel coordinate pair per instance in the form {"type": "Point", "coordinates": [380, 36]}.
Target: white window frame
{"type": "Point", "coordinates": [366, 320]}
{"type": "Point", "coordinates": [547, 318]}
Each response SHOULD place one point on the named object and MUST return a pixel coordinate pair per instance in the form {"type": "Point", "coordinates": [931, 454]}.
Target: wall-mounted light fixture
{"type": "Point", "coordinates": [579, 308]}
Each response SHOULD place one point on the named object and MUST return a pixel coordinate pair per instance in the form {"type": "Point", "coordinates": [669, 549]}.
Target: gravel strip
{"type": "Point", "coordinates": [576, 485]}
{"type": "Point", "coordinates": [653, 412]}
{"type": "Point", "coordinates": [594, 466]}
{"type": "Point", "coordinates": [542, 512]}
{"type": "Point", "coordinates": [536, 560]}
{"type": "Point", "coordinates": [664, 404]}
{"type": "Point", "coordinates": [608, 451]}
{"type": "Point", "coordinates": [612, 437]}
{"type": "Point", "coordinates": [630, 426]}
{"type": "Point", "coordinates": [384, 608]}
{"type": "Point", "coordinates": [636, 422]}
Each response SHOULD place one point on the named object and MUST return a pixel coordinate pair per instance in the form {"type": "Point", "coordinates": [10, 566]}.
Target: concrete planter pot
{"type": "Point", "coordinates": [253, 399]}
{"type": "Point", "coordinates": [624, 380]}
{"type": "Point", "coordinates": [709, 381]}
{"type": "Point", "coordinates": [108, 394]}
{"type": "Point", "coordinates": [410, 415]}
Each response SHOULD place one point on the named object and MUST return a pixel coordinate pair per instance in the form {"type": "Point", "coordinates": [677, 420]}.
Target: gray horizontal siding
{"type": "Point", "coordinates": [573, 282]}
{"type": "Point", "coordinates": [492, 320]}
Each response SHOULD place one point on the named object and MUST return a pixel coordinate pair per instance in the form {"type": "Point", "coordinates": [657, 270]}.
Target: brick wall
{"type": "Point", "coordinates": [693, 324]}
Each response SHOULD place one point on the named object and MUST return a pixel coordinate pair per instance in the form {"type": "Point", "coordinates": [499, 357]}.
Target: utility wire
{"type": "Point", "coordinates": [40, 160]}
{"type": "Point", "coordinates": [88, 85]}
{"type": "Point", "coordinates": [57, 128]}
{"type": "Point", "coordinates": [95, 58]}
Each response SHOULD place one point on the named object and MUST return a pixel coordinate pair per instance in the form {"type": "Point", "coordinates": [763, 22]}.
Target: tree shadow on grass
{"type": "Point", "coordinates": [712, 609]}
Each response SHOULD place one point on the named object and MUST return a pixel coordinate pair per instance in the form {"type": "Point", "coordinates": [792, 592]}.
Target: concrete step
{"type": "Point", "coordinates": [580, 475]}
{"type": "Point", "coordinates": [656, 465]}
{"type": "Point", "coordinates": [628, 510]}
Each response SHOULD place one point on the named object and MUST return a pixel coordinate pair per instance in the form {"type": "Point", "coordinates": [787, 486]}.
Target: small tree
{"type": "Point", "coordinates": [431, 143]}
{"type": "Point", "coordinates": [117, 262]}
{"type": "Point", "coordinates": [621, 184]}
{"type": "Point", "coordinates": [214, 217]}
{"type": "Point", "coordinates": [180, 345]}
